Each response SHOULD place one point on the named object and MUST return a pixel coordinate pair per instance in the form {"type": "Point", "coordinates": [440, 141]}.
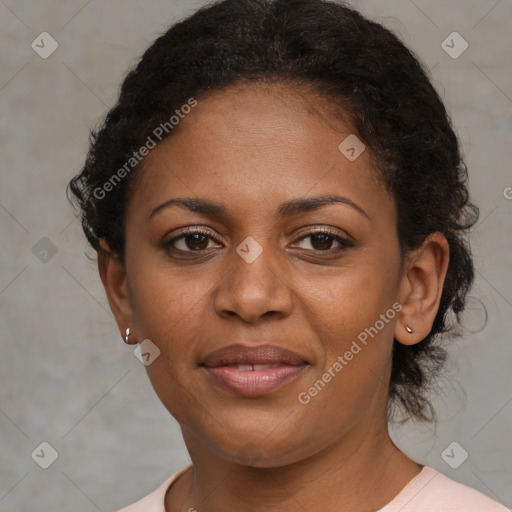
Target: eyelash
{"type": "Point", "coordinates": [344, 242]}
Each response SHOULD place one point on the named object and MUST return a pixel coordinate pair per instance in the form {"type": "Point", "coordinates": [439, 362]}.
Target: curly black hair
{"type": "Point", "coordinates": [357, 64]}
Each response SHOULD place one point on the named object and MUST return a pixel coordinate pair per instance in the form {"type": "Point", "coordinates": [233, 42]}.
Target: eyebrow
{"type": "Point", "coordinates": [286, 209]}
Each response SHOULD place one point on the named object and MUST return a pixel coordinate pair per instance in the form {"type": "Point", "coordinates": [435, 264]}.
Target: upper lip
{"type": "Point", "coordinates": [260, 354]}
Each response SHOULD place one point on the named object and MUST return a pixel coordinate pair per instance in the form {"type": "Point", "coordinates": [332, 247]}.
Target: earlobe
{"type": "Point", "coordinates": [113, 276]}
{"type": "Point", "coordinates": [421, 288]}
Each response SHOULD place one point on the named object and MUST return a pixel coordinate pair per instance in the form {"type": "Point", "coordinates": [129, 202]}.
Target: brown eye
{"type": "Point", "coordinates": [196, 241]}
{"type": "Point", "coordinates": [190, 241]}
{"type": "Point", "coordinates": [322, 241]}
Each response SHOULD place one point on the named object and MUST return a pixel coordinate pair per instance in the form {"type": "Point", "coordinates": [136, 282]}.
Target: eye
{"type": "Point", "coordinates": [192, 240]}
{"type": "Point", "coordinates": [198, 240]}
{"type": "Point", "coordinates": [322, 241]}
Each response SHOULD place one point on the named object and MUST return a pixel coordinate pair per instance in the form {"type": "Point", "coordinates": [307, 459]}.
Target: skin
{"type": "Point", "coordinates": [251, 148]}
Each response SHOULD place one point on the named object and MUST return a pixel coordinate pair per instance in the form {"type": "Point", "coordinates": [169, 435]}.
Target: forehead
{"type": "Point", "coordinates": [257, 145]}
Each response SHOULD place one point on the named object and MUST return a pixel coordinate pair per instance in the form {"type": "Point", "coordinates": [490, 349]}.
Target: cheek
{"type": "Point", "coordinates": [353, 319]}
{"type": "Point", "coordinates": [342, 305]}
{"type": "Point", "coordinates": [168, 303]}
{"type": "Point", "coordinates": [170, 312]}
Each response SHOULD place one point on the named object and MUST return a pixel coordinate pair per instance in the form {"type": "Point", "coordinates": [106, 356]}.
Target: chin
{"type": "Point", "coordinates": [267, 447]}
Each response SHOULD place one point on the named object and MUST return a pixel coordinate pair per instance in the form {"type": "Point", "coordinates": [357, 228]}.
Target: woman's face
{"type": "Point", "coordinates": [268, 270]}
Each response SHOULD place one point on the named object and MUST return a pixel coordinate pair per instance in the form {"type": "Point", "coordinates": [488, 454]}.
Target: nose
{"type": "Point", "coordinates": [254, 289]}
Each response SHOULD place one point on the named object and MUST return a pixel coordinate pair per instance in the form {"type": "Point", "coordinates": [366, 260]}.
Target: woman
{"type": "Point", "coordinates": [279, 204]}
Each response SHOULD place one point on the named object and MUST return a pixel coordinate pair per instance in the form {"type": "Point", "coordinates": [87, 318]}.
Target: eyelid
{"type": "Point", "coordinates": [336, 233]}
{"type": "Point", "coordinates": [345, 242]}
{"type": "Point", "coordinates": [345, 239]}
{"type": "Point", "coordinates": [187, 231]}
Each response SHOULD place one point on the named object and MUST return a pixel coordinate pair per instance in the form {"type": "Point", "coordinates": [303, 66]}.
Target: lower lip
{"type": "Point", "coordinates": [255, 382]}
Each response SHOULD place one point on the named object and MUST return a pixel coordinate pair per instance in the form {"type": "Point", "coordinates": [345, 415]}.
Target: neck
{"type": "Point", "coordinates": [338, 477]}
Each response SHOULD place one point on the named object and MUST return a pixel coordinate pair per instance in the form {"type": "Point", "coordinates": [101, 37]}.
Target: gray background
{"type": "Point", "coordinates": [66, 376]}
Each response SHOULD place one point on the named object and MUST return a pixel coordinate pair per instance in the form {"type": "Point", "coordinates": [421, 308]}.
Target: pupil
{"type": "Point", "coordinates": [325, 243]}
{"type": "Point", "coordinates": [195, 240]}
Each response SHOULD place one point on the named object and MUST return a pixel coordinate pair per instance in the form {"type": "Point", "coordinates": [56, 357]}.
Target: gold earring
{"type": "Point", "coordinates": [127, 336]}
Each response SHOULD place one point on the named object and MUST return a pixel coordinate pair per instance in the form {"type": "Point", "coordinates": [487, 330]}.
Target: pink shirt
{"type": "Point", "coordinates": [428, 491]}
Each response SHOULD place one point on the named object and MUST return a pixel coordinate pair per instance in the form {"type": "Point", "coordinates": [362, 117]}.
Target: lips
{"type": "Point", "coordinates": [253, 371]}
{"type": "Point", "coordinates": [261, 354]}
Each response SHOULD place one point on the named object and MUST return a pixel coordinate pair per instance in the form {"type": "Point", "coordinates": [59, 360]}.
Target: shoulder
{"type": "Point", "coordinates": [154, 502]}
{"type": "Point", "coordinates": [431, 491]}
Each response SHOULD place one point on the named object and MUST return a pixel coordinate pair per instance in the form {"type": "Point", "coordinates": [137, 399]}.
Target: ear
{"type": "Point", "coordinates": [113, 276]}
{"type": "Point", "coordinates": [421, 288]}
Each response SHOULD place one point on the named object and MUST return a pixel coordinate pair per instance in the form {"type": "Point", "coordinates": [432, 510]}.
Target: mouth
{"type": "Point", "coordinates": [253, 371]}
